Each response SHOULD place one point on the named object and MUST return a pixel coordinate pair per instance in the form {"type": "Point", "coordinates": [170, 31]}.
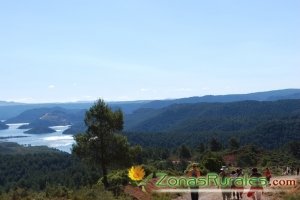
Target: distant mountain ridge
{"type": "Point", "coordinates": [53, 115]}
{"type": "Point", "coordinates": [232, 116]}
{"type": "Point", "coordinates": [12, 109]}
{"type": "Point", "coordinates": [257, 96]}
{"type": "Point", "coordinates": [271, 119]}
{"type": "Point", "coordinates": [185, 118]}
{"type": "Point", "coordinates": [41, 119]}
{"type": "Point", "coordinates": [256, 121]}
{"type": "Point", "coordinates": [270, 124]}
{"type": "Point", "coordinates": [9, 103]}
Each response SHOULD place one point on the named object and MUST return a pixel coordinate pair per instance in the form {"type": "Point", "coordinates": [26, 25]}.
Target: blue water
{"type": "Point", "coordinates": [54, 140]}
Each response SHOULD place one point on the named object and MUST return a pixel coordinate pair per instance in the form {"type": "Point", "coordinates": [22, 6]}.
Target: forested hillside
{"type": "Point", "coordinates": [269, 123]}
{"type": "Point", "coordinates": [236, 116]}
{"type": "Point", "coordinates": [238, 134]}
{"type": "Point", "coordinates": [12, 109]}
{"type": "Point", "coordinates": [257, 96]}
{"type": "Point", "coordinates": [36, 168]}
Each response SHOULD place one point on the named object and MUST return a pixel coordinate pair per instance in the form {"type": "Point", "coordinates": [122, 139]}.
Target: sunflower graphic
{"type": "Point", "coordinates": [136, 173]}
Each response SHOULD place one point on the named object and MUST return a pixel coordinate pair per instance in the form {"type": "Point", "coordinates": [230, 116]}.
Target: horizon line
{"type": "Point", "coordinates": [137, 100]}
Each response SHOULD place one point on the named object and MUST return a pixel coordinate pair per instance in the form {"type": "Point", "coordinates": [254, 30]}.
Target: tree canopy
{"type": "Point", "coordinates": [101, 144]}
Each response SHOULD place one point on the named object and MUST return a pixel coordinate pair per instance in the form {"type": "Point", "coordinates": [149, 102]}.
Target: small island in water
{"type": "Point", "coordinates": [37, 128]}
{"type": "Point", "coordinates": [3, 126]}
{"type": "Point", "coordinates": [40, 130]}
{"type": "Point", "coordinates": [10, 137]}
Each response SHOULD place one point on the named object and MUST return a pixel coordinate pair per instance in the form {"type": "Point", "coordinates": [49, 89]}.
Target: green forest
{"type": "Point", "coordinates": [98, 166]}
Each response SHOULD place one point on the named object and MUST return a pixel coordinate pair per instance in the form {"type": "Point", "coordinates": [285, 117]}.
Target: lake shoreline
{"type": "Point", "coordinates": [56, 140]}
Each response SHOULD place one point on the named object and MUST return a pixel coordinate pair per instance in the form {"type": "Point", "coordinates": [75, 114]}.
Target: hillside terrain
{"type": "Point", "coordinates": [269, 123]}
{"type": "Point", "coordinates": [40, 167]}
{"type": "Point", "coordinates": [12, 109]}
{"type": "Point", "coordinates": [212, 134]}
{"type": "Point", "coordinates": [235, 116]}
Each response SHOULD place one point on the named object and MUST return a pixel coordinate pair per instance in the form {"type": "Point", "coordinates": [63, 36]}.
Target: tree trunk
{"type": "Point", "coordinates": [103, 164]}
{"type": "Point", "coordinates": [104, 172]}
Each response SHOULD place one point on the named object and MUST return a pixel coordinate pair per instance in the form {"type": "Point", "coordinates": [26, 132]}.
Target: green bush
{"type": "Point", "coordinates": [292, 197]}
{"type": "Point", "coordinates": [96, 192]}
{"type": "Point", "coordinates": [117, 179]}
{"type": "Point", "coordinates": [57, 191]}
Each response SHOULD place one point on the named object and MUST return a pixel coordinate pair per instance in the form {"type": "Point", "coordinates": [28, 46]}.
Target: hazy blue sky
{"type": "Point", "coordinates": [59, 50]}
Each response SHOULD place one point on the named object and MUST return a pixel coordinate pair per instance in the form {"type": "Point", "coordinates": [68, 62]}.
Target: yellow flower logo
{"type": "Point", "coordinates": [136, 173]}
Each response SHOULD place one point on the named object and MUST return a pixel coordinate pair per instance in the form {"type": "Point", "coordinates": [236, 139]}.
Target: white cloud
{"type": "Point", "coordinates": [51, 87]}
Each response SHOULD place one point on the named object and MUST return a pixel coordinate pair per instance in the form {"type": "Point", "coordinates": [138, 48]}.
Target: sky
{"type": "Point", "coordinates": [76, 50]}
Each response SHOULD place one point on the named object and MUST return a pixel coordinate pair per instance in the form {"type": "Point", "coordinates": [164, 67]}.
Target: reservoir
{"type": "Point", "coordinates": [54, 140]}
